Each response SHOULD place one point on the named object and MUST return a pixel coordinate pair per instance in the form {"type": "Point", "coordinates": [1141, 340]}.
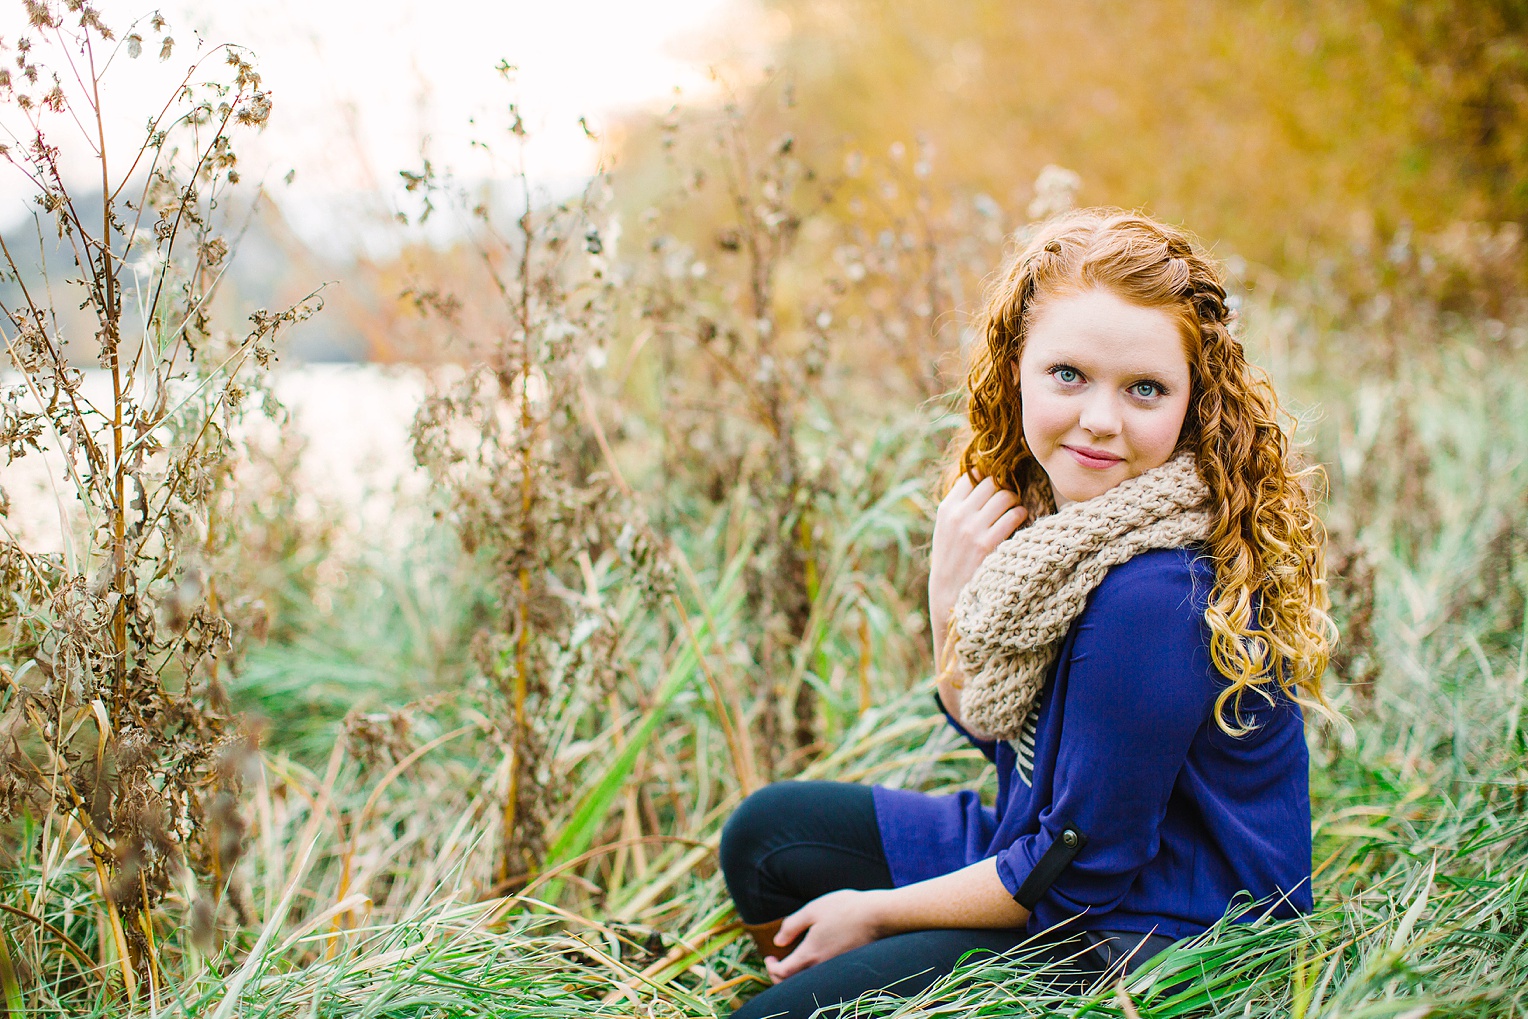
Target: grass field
{"type": "Point", "coordinates": [366, 880]}
{"type": "Point", "coordinates": [267, 756]}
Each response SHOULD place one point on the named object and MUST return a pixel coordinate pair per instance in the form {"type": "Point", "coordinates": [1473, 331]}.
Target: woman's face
{"type": "Point", "coordinates": [1105, 385]}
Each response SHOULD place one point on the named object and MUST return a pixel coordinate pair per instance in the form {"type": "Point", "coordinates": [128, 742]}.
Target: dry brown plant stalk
{"type": "Point", "coordinates": [114, 728]}
{"type": "Point", "coordinates": [784, 303]}
{"type": "Point", "coordinates": [525, 481]}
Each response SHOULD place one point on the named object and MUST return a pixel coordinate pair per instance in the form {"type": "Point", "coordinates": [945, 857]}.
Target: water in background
{"type": "Point", "coordinates": [357, 462]}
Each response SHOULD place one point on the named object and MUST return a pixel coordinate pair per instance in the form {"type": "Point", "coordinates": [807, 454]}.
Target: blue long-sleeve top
{"type": "Point", "coordinates": [1180, 818]}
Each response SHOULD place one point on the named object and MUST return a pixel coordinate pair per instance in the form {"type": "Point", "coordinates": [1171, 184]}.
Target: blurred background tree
{"type": "Point", "coordinates": [1281, 130]}
{"type": "Point", "coordinates": [1294, 134]}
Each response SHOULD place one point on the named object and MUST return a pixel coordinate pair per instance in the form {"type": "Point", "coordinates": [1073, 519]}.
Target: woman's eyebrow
{"type": "Point", "coordinates": [1092, 366]}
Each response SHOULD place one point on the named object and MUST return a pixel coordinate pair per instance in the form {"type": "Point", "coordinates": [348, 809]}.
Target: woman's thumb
{"type": "Point", "coordinates": [792, 927]}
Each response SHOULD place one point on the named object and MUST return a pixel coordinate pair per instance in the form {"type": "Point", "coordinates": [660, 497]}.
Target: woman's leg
{"type": "Point", "coordinates": [790, 842]}
{"type": "Point", "coordinates": [907, 964]}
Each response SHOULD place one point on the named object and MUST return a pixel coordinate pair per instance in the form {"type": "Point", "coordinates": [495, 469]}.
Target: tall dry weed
{"type": "Point", "coordinates": [788, 299]}
{"type": "Point", "coordinates": [509, 447]}
{"type": "Point", "coordinates": [115, 725]}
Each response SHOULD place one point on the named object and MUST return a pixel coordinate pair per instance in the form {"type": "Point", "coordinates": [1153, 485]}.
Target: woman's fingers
{"type": "Point", "coordinates": [792, 926]}
{"type": "Point", "coordinates": [999, 503]}
{"type": "Point", "coordinates": [804, 957]}
{"type": "Point", "coordinates": [974, 518]}
{"type": "Point", "coordinates": [780, 969]}
{"type": "Point", "coordinates": [1005, 525]}
{"type": "Point", "coordinates": [982, 504]}
{"type": "Point", "coordinates": [962, 487]}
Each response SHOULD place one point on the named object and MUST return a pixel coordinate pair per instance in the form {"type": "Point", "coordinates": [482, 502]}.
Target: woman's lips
{"type": "Point", "coordinates": [1096, 459]}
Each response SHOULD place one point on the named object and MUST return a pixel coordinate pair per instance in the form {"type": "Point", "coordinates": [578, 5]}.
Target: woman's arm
{"type": "Point", "coordinates": [1139, 685]}
{"type": "Point", "coordinates": [950, 676]}
{"type": "Point", "coordinates": [973, 519]}
{"type": "Point", "coordinates": [972, 897]}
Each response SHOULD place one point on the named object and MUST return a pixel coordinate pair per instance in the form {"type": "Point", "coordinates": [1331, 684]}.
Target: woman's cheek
{"type": "Point", "coordinates": [1156, 436]}
{"type": "Point", "coordinates": [1045, 423]}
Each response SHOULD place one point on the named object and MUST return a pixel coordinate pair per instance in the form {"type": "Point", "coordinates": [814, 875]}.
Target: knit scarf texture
{"type": "Point", "coordinates": [1012, 617]}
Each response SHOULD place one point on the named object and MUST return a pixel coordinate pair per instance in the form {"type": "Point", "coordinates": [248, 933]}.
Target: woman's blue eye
{"type": "Point", "coordinates": [1066, 375]}
{"type": "Point", "coordinates": [1146, 390]}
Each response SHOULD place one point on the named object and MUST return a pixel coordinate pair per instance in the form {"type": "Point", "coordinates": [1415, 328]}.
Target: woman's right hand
{"type": "Point", "coordinates": [973, 519]}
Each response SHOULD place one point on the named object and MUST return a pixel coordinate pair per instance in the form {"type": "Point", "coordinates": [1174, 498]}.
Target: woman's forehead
{"type": "Point", "coordinates": [1099, 326]}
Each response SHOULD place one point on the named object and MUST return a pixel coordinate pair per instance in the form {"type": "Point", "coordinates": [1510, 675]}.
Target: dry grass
{"type": "Point", "coordinates": [681, 509]}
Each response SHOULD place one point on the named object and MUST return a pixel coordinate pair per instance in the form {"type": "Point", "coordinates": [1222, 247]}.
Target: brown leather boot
{"type": "Point", "coordinates": [764, 939]}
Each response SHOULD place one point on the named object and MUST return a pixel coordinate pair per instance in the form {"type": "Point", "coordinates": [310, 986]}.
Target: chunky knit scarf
{"type": "Point", "coordinates": [1011, 618]}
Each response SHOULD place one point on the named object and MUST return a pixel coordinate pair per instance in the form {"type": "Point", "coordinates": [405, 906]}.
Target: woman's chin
{"type": "Point", "coordinates": [1079, 484]}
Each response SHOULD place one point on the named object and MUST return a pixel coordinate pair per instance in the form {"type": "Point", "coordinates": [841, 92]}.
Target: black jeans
{"type": "Point", "coordinates": [791, 842]}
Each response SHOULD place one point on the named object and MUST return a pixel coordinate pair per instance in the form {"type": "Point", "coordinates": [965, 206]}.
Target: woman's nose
{"type": "Point", "coordinates": [1100, 415]}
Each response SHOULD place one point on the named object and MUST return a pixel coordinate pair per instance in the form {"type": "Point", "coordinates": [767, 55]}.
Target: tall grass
{"type": "Point", "coordinates": [366, 865]}
{"type": "Point", "coordinates": [402, 728]}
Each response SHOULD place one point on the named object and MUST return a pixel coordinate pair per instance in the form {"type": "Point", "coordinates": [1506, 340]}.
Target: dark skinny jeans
{"type": "Point", "coordinates": [791, 842]}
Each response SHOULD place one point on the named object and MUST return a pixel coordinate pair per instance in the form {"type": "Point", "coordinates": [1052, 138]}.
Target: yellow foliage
{"type": "Point", "coordinates": [1279, 128]}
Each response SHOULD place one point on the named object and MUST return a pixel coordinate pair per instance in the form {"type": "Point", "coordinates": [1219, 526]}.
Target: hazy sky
{"type": "Point", "coordinates": [362, 86]}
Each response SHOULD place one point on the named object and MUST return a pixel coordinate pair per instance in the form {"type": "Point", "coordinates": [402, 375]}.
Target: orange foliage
{"type": "Point", "coordinates": [1278, 128]}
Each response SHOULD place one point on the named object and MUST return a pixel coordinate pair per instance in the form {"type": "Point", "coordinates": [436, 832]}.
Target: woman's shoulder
{"type": "Point", "coordinates": [1141, 646]}
{"type": "Point", "coordinates": [1167, 583]}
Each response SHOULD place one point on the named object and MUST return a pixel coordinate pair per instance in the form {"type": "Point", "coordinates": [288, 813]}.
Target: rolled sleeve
{"type": "Point", "coordinates": [1015, 862]}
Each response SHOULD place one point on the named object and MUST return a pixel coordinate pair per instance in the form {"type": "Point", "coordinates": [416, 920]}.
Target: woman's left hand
{"type": "Point", "coordinates": [834, 923]}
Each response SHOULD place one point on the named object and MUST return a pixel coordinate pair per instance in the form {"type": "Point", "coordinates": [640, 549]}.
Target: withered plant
{"type": "Point", "coordinates": [738, 377]}
{"type": "Point", "coordinates": [114, 729]}
{"type": "Point", "coordinates": [789, 306]}
{"type": "Point", "coordinates": [527, 485]}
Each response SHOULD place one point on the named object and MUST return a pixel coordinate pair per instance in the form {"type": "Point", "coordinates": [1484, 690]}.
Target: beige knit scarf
{"type": "Point", "coordinates": [1011, 618]}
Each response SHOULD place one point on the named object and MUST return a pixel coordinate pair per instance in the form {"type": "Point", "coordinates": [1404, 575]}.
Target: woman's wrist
{"type": "Point", "coordinates": [938, 619]}
{"type": "Point", "coordinates": [882, 912]}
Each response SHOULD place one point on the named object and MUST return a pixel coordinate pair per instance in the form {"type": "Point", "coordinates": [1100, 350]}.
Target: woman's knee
{"type": "Point", "coordinates": [793, 841]}
{"type": "Point", "coordinates": [746, 835]}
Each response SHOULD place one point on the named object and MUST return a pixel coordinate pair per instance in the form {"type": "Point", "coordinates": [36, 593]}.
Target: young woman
{"type": "Point", "coordinates": [1133, 661]}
